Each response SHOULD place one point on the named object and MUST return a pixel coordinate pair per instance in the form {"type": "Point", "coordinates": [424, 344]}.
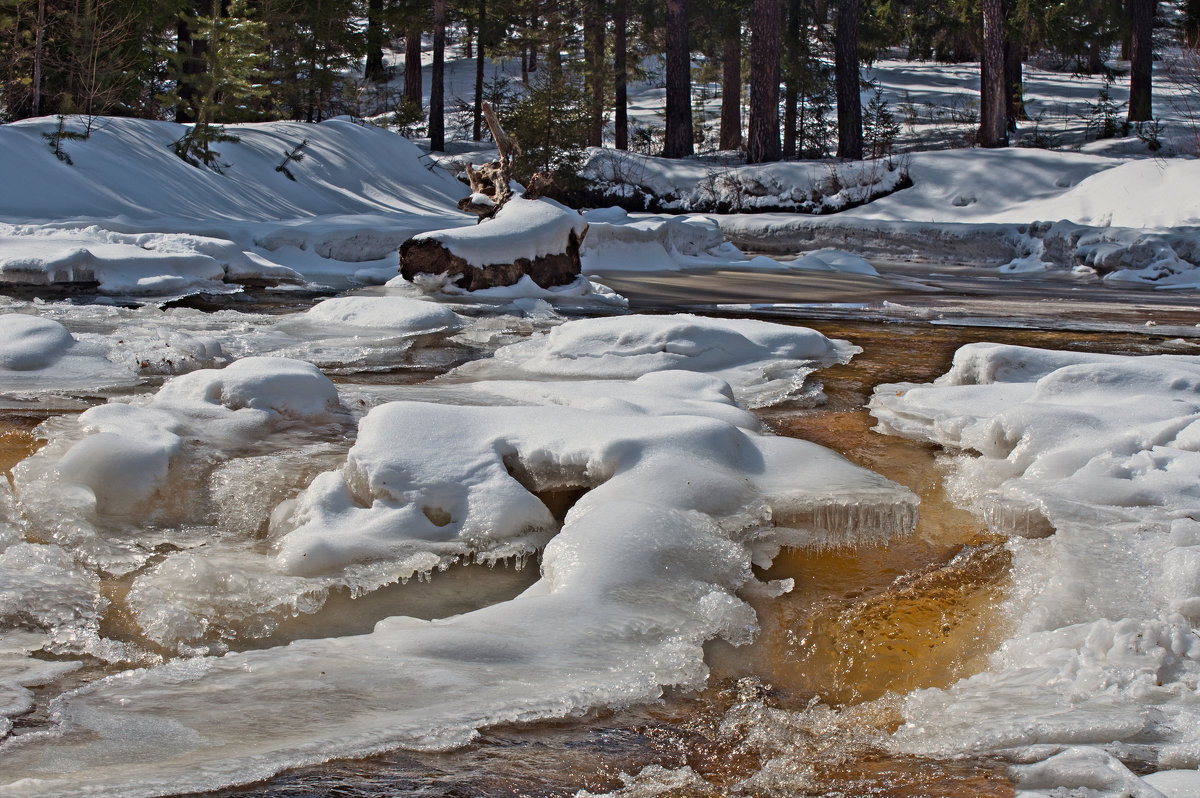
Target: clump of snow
{"type": "Point", "coordinates": [522, 228]}
{"type": "Point", "coordinates": [119, 461]}
{"type": "Point", "coordinates": [765, 362]}
{"type": "Point", "coordinates": [411, 316]}
{"type": "Point", "coordinates": [29, 342]}
{"type": "Point", "coordinates": [1097, 454]}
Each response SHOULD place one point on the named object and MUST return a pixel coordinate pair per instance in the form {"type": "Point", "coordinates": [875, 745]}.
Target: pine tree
{"type": "Point", "coordinates": [1141, 59]}
{"type": "Point", "coordinates": [230, 80]}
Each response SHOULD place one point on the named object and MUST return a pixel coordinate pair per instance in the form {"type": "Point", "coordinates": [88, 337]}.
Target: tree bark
{"type": "Point", "coordinates": [791, 91]}
{"type": "Point", "coordinates": [765, 41]}
{"type": "Point", "coordinates": [437, 88]}
{"type": "Point", "coordinates": [477, 121]}
{"type": "Point", "coordinates": [1141, 59]}
{"type": "Point", "coordinates": [412, 65]}
{"type": "Point", "coordinates": [38, 38]}
{"type": "Point", "coordinates": [593, 45]}
{"type": "Point", "coordinates": [993, 122]}
{"type": "Point", "coordinates": [731, 89]}
{"type": "Point", "coordinates": [846, 80]}
{"type": "Point", "coordinates": [678, 133]}
{"type": "Point", "coordinates": [1014, 81]}
{"type": "Point", "coordinates": [621, 111]}
{"type": "Point", "coordinates": [373, 68]}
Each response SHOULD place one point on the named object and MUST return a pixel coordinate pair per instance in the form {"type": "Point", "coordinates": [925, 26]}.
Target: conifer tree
{"type": "Point", "coordinates": [678, 134]}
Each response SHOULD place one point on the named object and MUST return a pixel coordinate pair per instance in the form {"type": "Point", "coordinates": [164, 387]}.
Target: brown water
{"type": "Point", "coordinates": [817, 692]}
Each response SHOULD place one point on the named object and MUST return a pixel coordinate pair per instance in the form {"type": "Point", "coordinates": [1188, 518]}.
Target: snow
{"type": "Point", "coordinates": [681, 491]}
{"type": "Point", "coordinates": [522, 228]}
{"type": "Point", "coordinates": [1089, 462]}
{"type": "Point", "coordinates": [765, 362]}
{"type": "Point", "coordinates": [135, 218]}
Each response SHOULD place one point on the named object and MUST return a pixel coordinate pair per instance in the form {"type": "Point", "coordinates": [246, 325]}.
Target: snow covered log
{"type": "Point", "coordinates": [538, 238]}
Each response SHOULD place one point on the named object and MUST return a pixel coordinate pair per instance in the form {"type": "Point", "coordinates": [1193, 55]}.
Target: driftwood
{"type": "Point", "coordinates": [490, 183]}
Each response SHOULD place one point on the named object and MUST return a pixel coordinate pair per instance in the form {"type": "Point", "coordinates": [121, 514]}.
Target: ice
{"type": "Point", "coordinates": [1096, 455]}
{"type": "Point", "coordinates": [766, 363]}
{"type": "Point", "coordinates": [670, 488]}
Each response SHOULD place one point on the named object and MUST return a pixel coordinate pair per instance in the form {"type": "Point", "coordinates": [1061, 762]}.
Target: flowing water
{"type": "Point", "coordinates": [804, 709]}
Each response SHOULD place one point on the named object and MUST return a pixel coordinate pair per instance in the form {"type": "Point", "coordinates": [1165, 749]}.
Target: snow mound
{"type": "Point", "coordinates": [40, 356]}
{"type": "Point", "coordinates": [29, 342]}
{"type": "Point", "coordinates": [400, 314]}
{"type": "Point", "coordinates": [765, 362]}
{"type": "Point", "coordinates": [1097, 454]}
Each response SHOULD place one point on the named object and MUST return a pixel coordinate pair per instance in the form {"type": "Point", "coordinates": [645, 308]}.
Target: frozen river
{"type": "Point", "coordinates": [197, 571]}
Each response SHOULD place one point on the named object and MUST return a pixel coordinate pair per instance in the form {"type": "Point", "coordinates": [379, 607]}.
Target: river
{"type": "Point", "coordinates": [810, 702]}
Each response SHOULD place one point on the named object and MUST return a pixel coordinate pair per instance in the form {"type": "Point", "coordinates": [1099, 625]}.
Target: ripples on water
{"type": "Point", "coordinates": [802, 711]}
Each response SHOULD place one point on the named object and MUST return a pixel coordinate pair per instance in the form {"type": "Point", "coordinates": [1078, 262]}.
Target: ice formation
{"type": "Point", "coordinates": [649, 493]}
{"type": "Point", "coordinates": [39, 356]}
{"type": "Point", "coordinates": [1089, 461]}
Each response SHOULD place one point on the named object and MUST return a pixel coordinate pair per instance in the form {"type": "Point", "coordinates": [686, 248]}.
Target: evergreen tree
{"type": "Point", "coordinates": [993, 128]}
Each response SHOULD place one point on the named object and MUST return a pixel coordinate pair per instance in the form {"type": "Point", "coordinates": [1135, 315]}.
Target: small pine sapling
{"type": "Point", "coordinates": [293, 155]}
{"type": "Point", "coordinates": [56, 138]}
{"type": "Point", "coordinates": [1105, 119]}
{"type": "Point", "coordinates": [880, 127]}
{"type": "Point", "coordinates": [1150, 134]}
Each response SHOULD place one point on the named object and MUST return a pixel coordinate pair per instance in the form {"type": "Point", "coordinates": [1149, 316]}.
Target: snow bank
{"type": "Point", "coordinates": [765, 363]}
{"type": "Point", "coordinates": [134, 218]}
{"type": "Point", "coordinates": [1097, 455]}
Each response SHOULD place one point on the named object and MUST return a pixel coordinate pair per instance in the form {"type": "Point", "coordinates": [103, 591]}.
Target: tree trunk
{"type": "Point", "coordinates": [593, 45]}
{"type": "Point", "coordinates": [477, 121]}
{"type": "Point", "coordinates": [678, 134]}
{"type": "Point", "coordinates": [437, 88]}
{"type": "Point", "coordinates": [731, 89]}
{"type": "Point", "coordinates": [412, 65]}
{"type": "Point", "coordinates": [765, 39]}
{"type": "Point", "coordinates": [993, 122]}
{"type": "Point", "coordinates": [1014, 81]}
{"type": "Point", "coordinates": [39, 36]}
{"type": "Point", "coordinates": [846, 80]}
{"type": "Point", "coordinates": [194, 63]}
{"type": "Point", "coordinates": [1141, 59]}
{"type": "Point", "coordinates": [791, 91]}
{"type": "Point", "coordinates": [554, 39]}
{"type": "Point", "coordinates": [621, 112]}
{"type": "Point", "coordinates": [373, 69]}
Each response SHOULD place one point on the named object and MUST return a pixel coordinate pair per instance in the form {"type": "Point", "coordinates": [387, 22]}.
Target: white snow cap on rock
{"type": "Point", "coordinates": [521, 229]}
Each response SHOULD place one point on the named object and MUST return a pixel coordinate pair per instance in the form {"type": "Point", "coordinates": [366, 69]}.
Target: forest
{"type": "Point", "coordinates": [788, 72]}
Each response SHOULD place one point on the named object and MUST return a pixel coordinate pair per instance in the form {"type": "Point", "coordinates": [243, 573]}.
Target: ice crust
{"type": "Point", "coordinates": [1089, 462]}
{"type": "Point", "coordinates": [681, 491]}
